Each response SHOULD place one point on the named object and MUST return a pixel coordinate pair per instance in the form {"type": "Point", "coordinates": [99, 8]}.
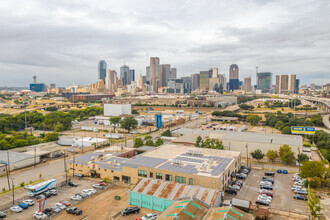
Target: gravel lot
{"type": "Point", "coordinates": [64, 193]}
{"type": "Point", "coordinates": [283, 196]}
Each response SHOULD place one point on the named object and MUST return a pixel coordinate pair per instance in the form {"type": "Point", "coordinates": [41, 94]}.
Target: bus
{"type": "Point", "coordinates": [39, 188]}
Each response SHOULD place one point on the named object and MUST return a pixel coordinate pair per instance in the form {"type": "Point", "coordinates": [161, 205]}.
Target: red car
{"type": "Point", "coordinates": [66, 203]}
{"type": "Point", "coordinates": [103, 183]}
{"type": "Point", "coordinates": [267, 194]}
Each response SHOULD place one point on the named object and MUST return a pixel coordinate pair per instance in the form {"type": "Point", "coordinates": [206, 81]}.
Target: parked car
{"type": "Point", "coordinates": [47, 194]}
{"type": "Point", "coordinates": [264, 197]}
{"type": "Point", "coordinates": [60, 205]}
{"type": "Point", "coordinates": [231, 191]}
{"type": "Point", "coordinates": [245, 167]}
{"type": "Point", "coordinates": [266, 187]}
{"type": "Point", "coordinates": [98, 186]}
{"type": "Point", "coordinates": [294, 187]}
{"type": "Point", "coordinates": [93, 191]}
{"type": "Point", "coordinates": [3, 215]}
{"type": "Point", "coordinates": [78, 175]}
{"type": "Point", "coordinates": [150, 216]}
{"type": "Point", "coordinates": [238, 182]}
{"type": "Point", "coordinates": [302, 192]}
{"type": "Point", "coordinates": [87, 192]}
{"type": "Point", "coordinates": [297, 196]}
{"type": "Point", "coordinates": [103, 183]}
{"type": "Point", "coordinates": [269, 173]}
{"type": "Point", "coordinates": [73, 184]}
{"type": "Point", "coordinates": [299, 183]}
{"type": "Point", "coordinates": [76, 198]}
{"type": "Point", "coordinates": [244, 171]}
{"type": "Point", "coordinates": [74, 210]}
{"type": "Point", "coordinates": [262, 202]}
{"type": "Point", "coordinates": [241, 176]}
{"type": "Point", "coordinates": [48, 212]}
{"type": "Point", "coordinates": [130, 210]}
{"type": "Point", "coordinates": [82, 195]}
{"type": "Point", "coordinates": [16, 209]}
{"type": "Point", "coordinates": [65, 202]}
{"type": "Point", "coordinates": [23, 205]}
{"type": "Point", "coordinates": [41, 196]}
{"type": "Point", "coordinates": [39, 215]}
{"type": "Point", "coordinates": [266, 192]}
{"type": "Point", "coordinates": [55, 209]}
{"type": "Point", "coordinates": [266, 178]}
{"type": "Point", "coordinates": [262, 183]}
{"type": "Point", "coordinates": [53, 192]}
{"type": "Point", "coordinates": [29, 202]}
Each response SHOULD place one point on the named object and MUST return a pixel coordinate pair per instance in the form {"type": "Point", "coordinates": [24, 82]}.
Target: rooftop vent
{"type": "Point", "coordinates": [177, 162]}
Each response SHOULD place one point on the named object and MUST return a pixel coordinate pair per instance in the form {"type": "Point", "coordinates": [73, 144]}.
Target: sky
{"type": "Point", "coordinates": [62, 41]}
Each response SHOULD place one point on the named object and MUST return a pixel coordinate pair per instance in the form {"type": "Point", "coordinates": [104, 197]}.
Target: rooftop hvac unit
{"type": "Point", "coordinates": [178, 162]}
{"type": "Point", "coordinates": [204, 166]}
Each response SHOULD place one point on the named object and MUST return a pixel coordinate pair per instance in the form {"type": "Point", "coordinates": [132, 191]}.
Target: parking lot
{"type": "Point", "coordinates": [283, 196]}
{"type": "Point", "coordinates": [64, 193]}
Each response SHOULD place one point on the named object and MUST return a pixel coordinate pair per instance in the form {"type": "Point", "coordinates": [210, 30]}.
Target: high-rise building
{"type": "Point", "coordinates": [233, 77]}
{"type": "Point", "coordinates": [214, 72]}
{"type": "Point", "coordinates": [312, 86]}
{"type": "Point", "coordinates": [223, 83]}
{"type": "Point", "coordinates": [187, 84]}
{"type": "Point", "coordinates": [175, 85]}
{"type": "Point", "coordinates": [131, 76]}
{"type": "Point", "coordinates": [140, 81]}
{"type": "Point", "coordinates": [102, 69]}
{"type": "Point", "coordinates": [111, 80]}
{"type": "Point", "coordinates": [164, 74]}
{"type": "Point", "coordinates": [286, 84]}
{"type": "Point", "coordinates": [124, 72]}
{"type": "Point", "coordinates": [291, 83]}
{"type": "Point", "coordinates": [247, 84]}
{"type": "Point", "coordinates": [148, 77]}
{"type": "Point", "coordinates": [264, 81]}
{"type": "Point", "coordinates": [173, 74]}
{"type": "Point", "coordinates": [194, 81]}
{"type": "Point", "coordinates": [204, 80]}
{"type": "Point", "coordinates": [154, 72]}
{"type": "Point", "coordinates": [214, 84]}
{"type": "Point", "coordinates": [297, 86]}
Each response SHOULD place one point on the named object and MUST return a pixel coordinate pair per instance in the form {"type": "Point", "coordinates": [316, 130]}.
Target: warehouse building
{"type": "Point", "coordinates": [17, 160]}
{"type": "Point", "coordinates": [157, 194]}
{"type": "Point", "coordinates": [180, 164]}
{"type": "Point", "coordinates": [117, 109]}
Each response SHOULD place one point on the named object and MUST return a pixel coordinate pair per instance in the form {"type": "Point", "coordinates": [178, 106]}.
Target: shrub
{"type": "Point", "coordinates": [22, 184]}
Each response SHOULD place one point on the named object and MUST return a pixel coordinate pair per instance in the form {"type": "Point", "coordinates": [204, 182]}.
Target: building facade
{"type": "Point", "coordinates": [204, 80]}
{"type": "Point", "coordinates": [247, 87]}
{"type": "Point", "coordinates": [154, 72]}
{"type": "Point", "coordinates": [264, 81]}
{"type": "Point", "coordinates": [233, 77]}
{"type": "Point", "coordinates": [194, 81]}
{"type": "Point", "coordinates": [102, 70]}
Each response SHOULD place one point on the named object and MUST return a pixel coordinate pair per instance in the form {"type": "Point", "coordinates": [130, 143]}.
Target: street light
{"type": "Point", "coordinates": [12, 183]}
{"type": "Point", "coordinates": [247, 155]}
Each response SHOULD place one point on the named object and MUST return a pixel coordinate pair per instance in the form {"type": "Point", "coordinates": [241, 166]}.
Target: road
{"type": "Point", "coordinates": [326, 121]}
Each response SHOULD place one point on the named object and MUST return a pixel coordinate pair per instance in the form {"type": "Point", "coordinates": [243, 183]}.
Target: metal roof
{"type": "Point", "coordinates": [14, 156]}
{"type": "Point", "coordinates": [145, 161]}
{"type": "Point", "coordinates": [146, 148]}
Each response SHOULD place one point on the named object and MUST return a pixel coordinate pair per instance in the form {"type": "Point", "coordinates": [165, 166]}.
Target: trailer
{"type": "Point", "coordinates": [39, 188]}
{"type": "Point", "coordinates": [243, 205]}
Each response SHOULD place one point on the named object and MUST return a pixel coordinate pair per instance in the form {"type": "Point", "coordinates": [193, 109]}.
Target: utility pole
{"type": "Point", "coordinates": [294, 108]}
{"type": "Point", "coordinates": [65, 170]}
{"type": "Point", "coordinates": [12, 183]}
{"type": "Point", "coordinates": [247, 155]}
{"type": "Point", "coordinates": [8, 162]}
{"type": "Point", "coordinates": [298, 160]}
{"type": "Point", "coordinates": [25, 115]}
{"type": "Point", "coordinates": [7, 176]}
{"type": "Point", "coordinates": [35, 155]}
{"type": "Point", "coordinates": [73, 164]}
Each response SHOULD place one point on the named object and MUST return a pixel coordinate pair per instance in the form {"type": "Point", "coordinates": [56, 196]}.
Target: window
{"type": "Point", "coordinates": [159, 176]}
{"type": "Point", "coordinates": [168, 177]}
{"type": "Point", "coordinates": [151, 174]}
{"type": "Point", "coordinates": [191, 181]}
{"type": "Point", "coordinates": [105, 170]}
{"type": "Point", "coordinates": [142, 173]}
{"type": "Point", "coordinates": [180, 179]}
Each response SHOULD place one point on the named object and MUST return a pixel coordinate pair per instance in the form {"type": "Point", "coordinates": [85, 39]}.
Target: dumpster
{"type": "Point", "coordinates": [279, 171]}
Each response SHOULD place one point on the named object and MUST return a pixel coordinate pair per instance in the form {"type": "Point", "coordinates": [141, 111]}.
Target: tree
{"type": "Point", "coordinates": [253, 119]}
{"type": "Point", "coordinates": [257, 154]}
{"type": "Point", "coordinates": [314, 204]}
{"type": "Point", "coordinates": [115, 121]}
{"type": "Point", "coordinates": [272, 155]}
{"type": "Point", "coordinates": [284, 148]}
{"type": "Point", "coordinates": [52, 136]}
{"type": "Point", "coordinates": [135, 112]}
{"type": "Point", "coordinates": [158, 142]}
{"type": "Point", "coordinates": [138, 143]}
{"type": "Point", "coordinates": [317, 120]}
{"type": "Point", "coordinates": [149, 142]}
{"type": "Point", "coordinates": [286, 154]}
{"type": "Point", "coordinates": [302, 157]}
{"type": "Point", "coordinates": [312, 169]}
{"type": "Point", "coordinates": [286, 130]}
{"type": "Point", "coordinates": [59, 127]}
{"type": "Point", "coordinates": [246, 106]}
{"type": "Point", "coordinates": [129, 123]}
{"type": "Point", "coordinates": [167, 133]}
{"type": "Point", "coordinates": [199, 142]}
{"type": "Point", "coordinates": [279, 125]}
{"type": "Point", "coordinates": [147, 137]}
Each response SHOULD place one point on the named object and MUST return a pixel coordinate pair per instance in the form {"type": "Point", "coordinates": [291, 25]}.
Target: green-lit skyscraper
{"type": "Point", "coordinates": [264, 81]}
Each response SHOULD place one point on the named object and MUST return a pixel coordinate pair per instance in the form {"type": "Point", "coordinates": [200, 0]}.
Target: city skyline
{"type": "Point", "coordinates": [62, 42]}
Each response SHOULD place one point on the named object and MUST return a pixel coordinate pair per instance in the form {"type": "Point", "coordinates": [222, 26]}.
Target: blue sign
{"type": "Point", "coordinates": [302, 130]}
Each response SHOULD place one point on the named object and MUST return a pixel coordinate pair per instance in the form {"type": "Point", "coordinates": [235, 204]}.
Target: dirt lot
{"type": "Point", "coordinates": [64, 193]}
{"type": "Point", "coordinates": [104, 206]}
{"type": "Point", "coordinates": [283, 196]}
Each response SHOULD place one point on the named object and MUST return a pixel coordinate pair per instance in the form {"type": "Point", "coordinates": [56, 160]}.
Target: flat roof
{"type": "Point", "coordinates": [14, 156]}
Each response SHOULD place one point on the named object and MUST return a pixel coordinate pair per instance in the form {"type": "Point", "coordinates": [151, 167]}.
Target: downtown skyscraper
{"type": "Point", "coordinates": [233, 77]}
{"type": "Point", "coordinates": [102, 70]}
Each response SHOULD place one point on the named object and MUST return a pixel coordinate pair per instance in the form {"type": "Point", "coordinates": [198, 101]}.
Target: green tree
{"type": "Point", "coordinates": [115, 121]}
{"type": "Point", "coordinates": [317, 120]}
{"type": "Point", "coordinates": [147, 137]}
{"type": "Point", "coordinates": [286, 130]}
{"type": "Point", "coordinates": [312, 169]}
{"type": "Point", "coordinates": [272, 155]}
{"type": "Point", "coordinates": [135, 112]}
{"type": "Point", "coordinates": [129, 123]}
{"type": "Point", "coordinates": [138, 143]}
{"type": "Point", "coordinates": [302, 157]}
{"type": "Point", "coordinates": [314, 204]}
{"type": "Point", "coordinates": [149, 142]}
{"type": "Point", "coordinates": [279, 125]}
{"type": "Point", "coordinates": [52, 136]}
{"type": "Point", "coordinates": [167, 133]}
{"type": "Point", "coordinates": [158, 142]}
{"type": "Point", "coordinates": [257, 154]}
{"type": "Point", "coordinates": [59, 127]}
{"type": "Point", "coordinates": [199, 142]}
{"type": "Point", "coordinates": [286, 154]}
{"type": "Point", "coordinates": [253, 119]}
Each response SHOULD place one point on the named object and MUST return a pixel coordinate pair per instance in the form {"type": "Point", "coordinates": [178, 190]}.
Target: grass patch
{"type": "Point", "coordinates": [21, 187]}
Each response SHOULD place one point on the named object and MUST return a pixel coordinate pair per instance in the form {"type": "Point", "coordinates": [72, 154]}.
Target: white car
{"type": "Point", "coordinates": [16, 209]}
{"type": "Point", "coordinates": [265, 183]}
{"type": "Point", "coordinates": [78, 174]}
{"type": "Point", "coordinates": [265, 197]}
{"type": "Point", "coordinates": [150, 216]}
{"type": "Point", "coordinates": [39, 215]}
{"type": "Point", "coordinates": [60, 205]}
{"type": "Point", "coordinates": [235, 187]}
{"type": "Point", "coordinates": [55, 209]}
{"type": "Point", "coordinates": [29, 202]}
{"type": "Point", "coordinates": [294, 187]}
{"type": "Point", "coordinates": [53, 192]}
{"type": "Point", "coordinates": [299, 183]}
{"type": "Point", "coordinates": [87, 192]}
{"type": "Point", "coordinates": [92, 190]}
{"type": "Point", "coordinates": [98, 186]}
{"type": "Point", "coordinates": [76, 198]}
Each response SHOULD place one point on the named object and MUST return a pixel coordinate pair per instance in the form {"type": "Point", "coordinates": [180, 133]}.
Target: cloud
{"type": "Point", "coordinates": [62, 41]}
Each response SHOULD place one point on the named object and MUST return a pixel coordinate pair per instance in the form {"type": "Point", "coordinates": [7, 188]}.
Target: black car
{"type": "Point", "coordinates": [73, 184]}
{"type": "Point", "coordinates": [48, 212]}
{"type": "Point", "coordinates": [262, 202]}
{"type": "Point", "coordinates": [269, 173]}
{"type": "Point", "coordinates": [297, 196]}
{"type": "Point", "coordinates": [237, 182]}
{"type": "Point", "coordinates": [266, 187]}
{"type": "Point", "coordinates": [266, 178]}
{"type": "Point", "coordinates": [245, 167]}
{"type": "Point", "coordinates": [231, 191]}
{"type": "Point", "coordinates": [2, 215]}
{"type": "Point", "coordinates": [41, 196]}
{"type": "Point", "coordinates": [130, 210]}
{"type": "Point", "coordinates": [47, 194]}
{"type": "Point", "coordinates": [240, 176]}
{"type": "Point", "coordinates": [74, 210]}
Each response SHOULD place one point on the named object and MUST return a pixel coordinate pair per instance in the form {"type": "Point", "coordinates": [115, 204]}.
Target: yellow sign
{"type": "Point", "coordinates": [302, 130]}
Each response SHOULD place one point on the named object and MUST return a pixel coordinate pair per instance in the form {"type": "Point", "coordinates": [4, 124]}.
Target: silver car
{"type": "Point", "coordinates": [76, 198]}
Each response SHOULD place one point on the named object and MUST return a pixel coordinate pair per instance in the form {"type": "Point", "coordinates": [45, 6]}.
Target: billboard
{"type": "Point", "coordinates": [302, 130]}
